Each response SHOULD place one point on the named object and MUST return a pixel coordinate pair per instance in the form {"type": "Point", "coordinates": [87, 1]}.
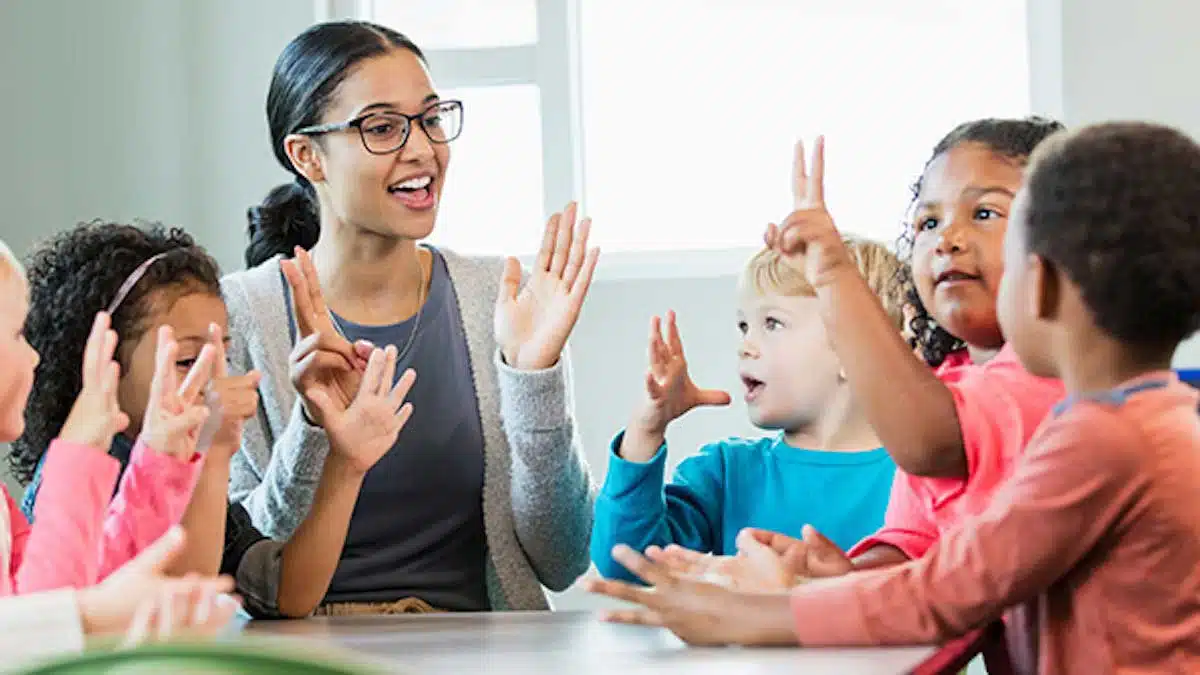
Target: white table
{"type": "Point", "coordinates": [575, 643]}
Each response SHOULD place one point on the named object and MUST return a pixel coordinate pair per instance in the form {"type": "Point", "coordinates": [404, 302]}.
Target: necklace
{"type": "Point", "coordinates": [412, 336]}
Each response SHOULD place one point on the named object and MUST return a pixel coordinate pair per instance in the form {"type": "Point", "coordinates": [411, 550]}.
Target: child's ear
{"type": "Point", "coordinates": [1044, 288]}
{"type": "Point", "coordinates": [302, 151]}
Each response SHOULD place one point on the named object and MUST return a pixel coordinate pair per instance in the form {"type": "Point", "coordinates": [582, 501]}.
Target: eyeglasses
{"type": "Point", "coordinates": [385, 132]}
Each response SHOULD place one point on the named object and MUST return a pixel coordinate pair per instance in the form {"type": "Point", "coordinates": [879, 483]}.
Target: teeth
{"type": "Point", "coordinates": [415, 183]}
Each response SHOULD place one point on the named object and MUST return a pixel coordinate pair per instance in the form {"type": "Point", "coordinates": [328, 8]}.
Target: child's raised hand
{"type": "Point", "coordinates": [532, 323]}
{"type": "Point", "coordinates": [366, 429]}
{"type": "Point", "coordinates": [233, 398]}
{"type": "Point", "coordinates": [96, 417]}
{"type": "Point", "coordinates": [808, 236]}
{"type": "Point", "coordinates": [670, 391]}
{"type": "Point", "coordinates": [175, 412]}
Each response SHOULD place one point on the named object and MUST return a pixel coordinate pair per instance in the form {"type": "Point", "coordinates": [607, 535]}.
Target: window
{"type": "Point", "coordinates": [690, 111]}
{"type": "Point", "coordinates": [673, 120]}
{"type": "Point", "coordinates": [460, 24]}
{"type": "Point", "coordinates": [501, 58]}
{"type": "Point", "coordinates": [493, 193]}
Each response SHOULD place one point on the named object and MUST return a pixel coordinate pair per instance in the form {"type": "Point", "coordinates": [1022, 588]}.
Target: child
{"type": "Point", "coordinates": [78, 522]}
{"type": "Point", "coordinates": [975, 412]}
{"type": "Point", "coordinates": [60, 553]}
{"type": "Point", "coordinates": [1097, 533]}
{"type": "Point", "coordinates": [826, 465]}
{"type": "Point", "coordinates": [159, 277]}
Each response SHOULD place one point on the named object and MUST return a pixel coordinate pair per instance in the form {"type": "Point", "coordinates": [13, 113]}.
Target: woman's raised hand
{"type": "Point", "coordinates": [534, 322]}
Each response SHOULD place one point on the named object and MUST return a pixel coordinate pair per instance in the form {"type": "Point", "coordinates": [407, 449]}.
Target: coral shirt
{"type": "Point", "coordinates": [999, 406]}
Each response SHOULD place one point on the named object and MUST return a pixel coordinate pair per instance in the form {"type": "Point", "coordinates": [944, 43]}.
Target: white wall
{"type": "Point", "coordinates": [128, 109]}
{"type": "Point", "coordinates": [1116, 59]}
{"type": "Point", "coordinates": [139, 108]}
{"type": "Point", "coordinates": [154, 108]}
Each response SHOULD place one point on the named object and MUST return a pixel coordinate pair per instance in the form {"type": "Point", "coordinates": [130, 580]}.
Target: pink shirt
{"type": "Point", "coordinates": [83, 533]}
{"type": "Point", "coordinates": [999, 406]}
{"type": "Point", "coordinates": [1097, 534]}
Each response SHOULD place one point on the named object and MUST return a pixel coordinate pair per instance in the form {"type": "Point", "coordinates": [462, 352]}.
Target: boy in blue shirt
{"type": "Point", "coordinates": [824, 467]}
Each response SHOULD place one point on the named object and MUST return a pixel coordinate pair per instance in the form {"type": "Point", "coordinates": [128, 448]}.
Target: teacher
{"type": "Point", "coordinates": [485, 496]}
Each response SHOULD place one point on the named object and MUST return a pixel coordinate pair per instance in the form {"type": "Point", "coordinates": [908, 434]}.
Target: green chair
{"type": "Point", "coordinates": [244, 657]}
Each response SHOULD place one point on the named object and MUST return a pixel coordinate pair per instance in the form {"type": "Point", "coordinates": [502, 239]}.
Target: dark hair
{"type": "Point", "coordinates": [1117, 207]}
{"type": "Point", "coordinates": [305, 78]}
{"type": "Point", "coordinates": [1011, 138]}
{"type": "Point", "coordinates": [72, 276]}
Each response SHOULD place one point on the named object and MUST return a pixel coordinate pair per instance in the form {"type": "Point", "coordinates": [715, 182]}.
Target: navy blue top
{"type": "Point", "coordinates": [417, 529]}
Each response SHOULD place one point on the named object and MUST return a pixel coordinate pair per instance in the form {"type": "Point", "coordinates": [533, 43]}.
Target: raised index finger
{"type": "Point", "coordinates": [163, 382]}
{"type": "Point", "coordinates": [301, 301]}
{"type": "Point", "coordinates": [216, 337]}
{"type": "Point", "coordinates": [816, 181]}
{"type": "Point", "coordinates": [198, 376]}
{"type": "Point", "coordinates": [314, 284]}
{"type": "Point", "coordinates": [92, 349]}
{"type": "Point", "coordinates": [799, 177]}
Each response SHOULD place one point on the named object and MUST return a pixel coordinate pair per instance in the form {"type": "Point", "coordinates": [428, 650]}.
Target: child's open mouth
{"type": "Point", "coordinates": [753, 386]}
{"type": "Point", "coordinates": [952, 277]}
{"type": "Point", "coordinates": [415, 193]}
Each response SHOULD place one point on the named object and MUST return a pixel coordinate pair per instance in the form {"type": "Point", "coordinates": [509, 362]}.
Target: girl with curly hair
{"type": "Point", "coordinates": [154, 279]}
{"type": "Point", "coordinates": [53, 568]}
{"type": "Point", "coordinates": [978, 406]}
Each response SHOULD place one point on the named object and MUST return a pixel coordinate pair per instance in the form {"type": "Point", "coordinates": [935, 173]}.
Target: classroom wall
{"type": "Point", "coordinates": [153, 108]}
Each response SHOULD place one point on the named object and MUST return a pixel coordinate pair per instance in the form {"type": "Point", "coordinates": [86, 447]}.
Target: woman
{"type": "Point", "coordinates": [486, 496]}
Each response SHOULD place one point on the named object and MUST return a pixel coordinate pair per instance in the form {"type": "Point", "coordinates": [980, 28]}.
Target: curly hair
{"type": "Point", "coordinates": [1011, 138]}
{"type": "Point", "coordinates": [72, 276]}
{"type": "Point", "coordinates": [1117, 207]}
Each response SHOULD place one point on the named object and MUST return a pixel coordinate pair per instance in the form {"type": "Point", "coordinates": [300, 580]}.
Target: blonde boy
{"type": "Point", "coordinates": [823, 465]}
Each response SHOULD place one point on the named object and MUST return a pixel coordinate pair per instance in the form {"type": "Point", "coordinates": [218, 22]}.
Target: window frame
{"type": "Point", "coordinates": [551, 64]}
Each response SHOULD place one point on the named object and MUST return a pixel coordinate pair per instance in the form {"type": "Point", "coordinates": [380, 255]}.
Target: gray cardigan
{"type": "Point", "coordinates": [537, 492]}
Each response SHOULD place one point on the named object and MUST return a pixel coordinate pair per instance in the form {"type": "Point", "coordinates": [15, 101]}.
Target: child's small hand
{"type": "Point", "coordinates": [751, 570]}
{"type": "Point", "coordinates": [362, 432]}
{"type": "Point", "coordinates": [808, 237]}
{"type": "Point", "coordinates": [812, 557]}
{"type": "Point", "coordinates": [140, 592]}
{"type": "Point", "coordinates": [699, 613]}
{"type": "Point", "coordinates": [234, 398]}
{"type": "Point", "coordinates": [175, 412]}
{"type": "Point", "coordinates": [96, 417]}
{"type": "Point", "coordinates": [670, 391]}
{"type": "Point", "coordinates": [186, 609]}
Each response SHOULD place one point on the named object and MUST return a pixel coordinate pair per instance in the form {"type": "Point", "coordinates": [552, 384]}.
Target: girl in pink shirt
{"type": "Point", "coordinates": [80, 537]}
{"type": "Point", "coordinates": [78, 530]}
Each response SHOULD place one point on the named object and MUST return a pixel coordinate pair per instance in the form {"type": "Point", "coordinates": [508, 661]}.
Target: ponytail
{"type": "Point", "coordinates": [287, 218]}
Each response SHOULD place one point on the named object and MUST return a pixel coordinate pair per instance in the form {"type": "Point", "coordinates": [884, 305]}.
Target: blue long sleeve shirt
{"type": "Point", "coordinates": [734, 484]}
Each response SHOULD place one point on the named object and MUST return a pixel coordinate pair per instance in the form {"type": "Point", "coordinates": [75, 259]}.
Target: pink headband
{"type": "Point", "coordinates": [131, 281]}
